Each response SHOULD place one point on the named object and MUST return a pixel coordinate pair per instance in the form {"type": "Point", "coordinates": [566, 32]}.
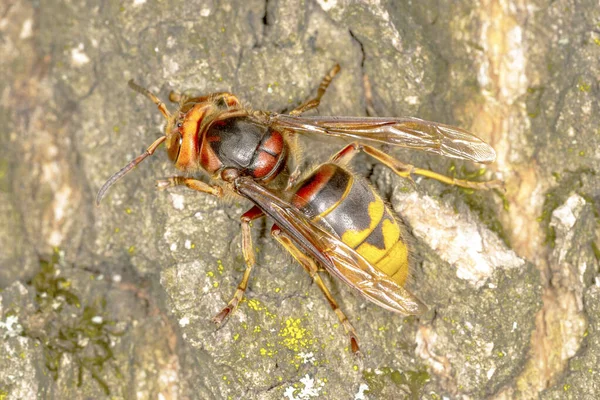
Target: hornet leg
{"type": "Point", "coordinates": [314, 103]}
{"type": "Point", "coordinates": [406, 170]}
{"type": "Point", "coordinates": [247, 250]}
{"type": "Point", "coordinates": [248, 253]}
{"type": "Point", "coordinates": [227, 98]}
{"type": "Point", "coordinates": [194, 184]}
{"type": "Point", "coordinates": [312, 269]}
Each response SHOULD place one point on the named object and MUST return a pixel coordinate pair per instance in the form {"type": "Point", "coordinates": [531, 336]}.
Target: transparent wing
{"type": "Point", "coordinates": [412, 133]}
{"type": "Point", "coordinates": [339, 259]}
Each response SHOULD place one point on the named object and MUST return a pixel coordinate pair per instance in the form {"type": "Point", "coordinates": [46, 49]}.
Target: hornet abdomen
{"type": "Point", "coordinates": [346, 205]}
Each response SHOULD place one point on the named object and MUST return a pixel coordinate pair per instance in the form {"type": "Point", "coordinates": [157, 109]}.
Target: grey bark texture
{"type": "Point", "coordinates": [115, 301]}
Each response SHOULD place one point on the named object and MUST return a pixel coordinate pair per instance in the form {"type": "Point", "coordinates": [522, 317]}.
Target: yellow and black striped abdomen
{"type": "Point", "coordinates": [348, 206]}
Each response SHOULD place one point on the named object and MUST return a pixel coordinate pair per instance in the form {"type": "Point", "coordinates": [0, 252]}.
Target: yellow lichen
{"type": "Point", "coordinates": [254, 304]}
{"type": "Point", "coordinates": [294, 336]}
{"type": "Point", "coordinates": [269, 351]}
{"type": "Point", "coordinates": [583, 86]}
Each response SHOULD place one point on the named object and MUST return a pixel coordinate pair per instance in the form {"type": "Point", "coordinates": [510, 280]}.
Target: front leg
{"type": "Point", "coordinates": [314, 103]}
{"type": "Point", "coordinates": [192, 183]}
{"type": "Point", "coordinates": [225, 98]}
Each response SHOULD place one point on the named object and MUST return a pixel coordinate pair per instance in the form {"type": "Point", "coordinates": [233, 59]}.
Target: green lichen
{"type": "Point", "coordinates": [477, 202]}
{"type": "Point", "coordinates": [596, 251]}
{"type": "Point", "coordinates": [487, 214]}
{"type": "Point", "coordinates": [410, 382]}
{"type": "Point", "coordinates": [84, 333]}
{"type": "Point", "coordinates": [533, 101]}
{"type": "Point", "coordinates": [49, 285]}
{"type": "Point", "coordinates": [4, 179]}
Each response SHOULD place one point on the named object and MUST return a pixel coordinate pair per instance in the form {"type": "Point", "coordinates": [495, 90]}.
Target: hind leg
{"type": "Point", "coordinates": [406, 170]}
{"type": "Point", "coordinates": [312, 269]}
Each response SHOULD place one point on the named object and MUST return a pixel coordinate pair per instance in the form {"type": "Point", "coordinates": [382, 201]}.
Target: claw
{"type": "Point", "coordinates": [355, 347]}
{"type": "Point", "coordinates": [497, 184]}
{"type": "Point", "coordinates": [220, 317]}
{"type": "Point", "coordinates": [163, 184]}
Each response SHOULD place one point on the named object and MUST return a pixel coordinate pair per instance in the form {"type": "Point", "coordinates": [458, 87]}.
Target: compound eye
{"type": "Point", "coordinates": [174, 145]}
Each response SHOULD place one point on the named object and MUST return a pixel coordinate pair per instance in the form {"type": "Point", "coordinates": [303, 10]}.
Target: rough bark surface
{"type": "Point", "coordinates": [116, 301]}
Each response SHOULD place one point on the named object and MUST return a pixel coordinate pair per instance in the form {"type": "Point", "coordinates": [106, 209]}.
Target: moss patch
{"type": "Point", "coordinates": [68, 327]}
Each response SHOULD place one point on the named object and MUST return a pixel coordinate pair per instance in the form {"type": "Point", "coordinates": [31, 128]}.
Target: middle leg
{"type": "Point", "coordinates": [248, 253]}
{"type": "Point", "coordinates": [247, 250]}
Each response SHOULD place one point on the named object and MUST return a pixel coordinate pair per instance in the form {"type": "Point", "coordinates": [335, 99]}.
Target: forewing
{"type": "Point", "coordinates": [339, 259]}
{"type": "Point", "coordinates": [412, 133]}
